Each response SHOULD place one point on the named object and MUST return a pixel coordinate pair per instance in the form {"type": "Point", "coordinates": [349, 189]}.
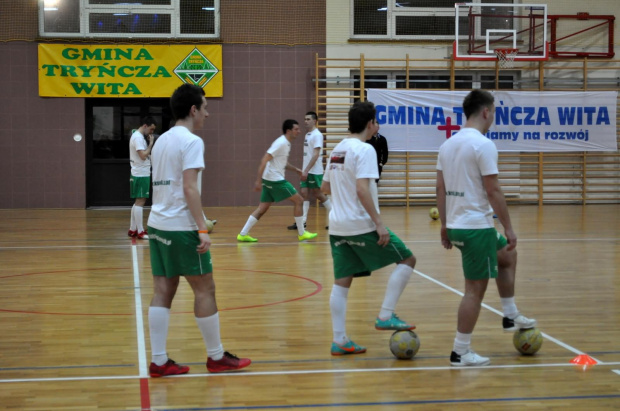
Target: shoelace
{"type": "Point", "coordinates": [229, 355]}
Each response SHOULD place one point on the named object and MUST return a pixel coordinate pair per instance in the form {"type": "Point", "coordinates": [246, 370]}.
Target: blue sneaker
{"type": "Point", "coordinates": [393, 323]}
{"type": "Point", "coordinates": [349, 348]}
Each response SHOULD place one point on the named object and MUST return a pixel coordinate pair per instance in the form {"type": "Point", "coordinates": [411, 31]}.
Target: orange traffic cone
{"type": "Point", "coordinates": [584, 360]}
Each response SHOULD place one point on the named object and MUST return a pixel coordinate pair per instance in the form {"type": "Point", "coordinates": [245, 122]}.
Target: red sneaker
{"type": "Point", "coordinates": [169, 368]}
{"type": "Point", "coordinates": [143, 235]}
{"type": "Point", "coordinates": [132, 233]}
{"type": "Point", "coordinates": [229, 362]}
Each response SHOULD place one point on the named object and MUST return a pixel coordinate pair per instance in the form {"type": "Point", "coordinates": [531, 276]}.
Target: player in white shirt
{"type": "Point", "coordinates": [312, 168]}
{"type": "Point", "coordinates": [178, 238]}
{"type": "Point", "coordinates": [468, 192]}
{"type": "Point", "coordinates": [273, 185]}
{"type": "Point", "coordinates": [140, 180]}
{"type": "Point", "coordinates": [360, 243]}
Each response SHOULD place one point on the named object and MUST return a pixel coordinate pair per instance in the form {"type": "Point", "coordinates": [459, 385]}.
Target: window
{"type": "Point", "coordinates": [129, 18]}
{"type": "Point", "coordinates": [408, 19]}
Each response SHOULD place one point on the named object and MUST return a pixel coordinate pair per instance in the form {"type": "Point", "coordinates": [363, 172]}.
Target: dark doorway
{"type": "Point", "coordinates": [109, 125]}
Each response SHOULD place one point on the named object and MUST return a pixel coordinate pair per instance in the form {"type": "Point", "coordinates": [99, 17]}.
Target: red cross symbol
{"type": "Point", "coordinates": [449, 127]}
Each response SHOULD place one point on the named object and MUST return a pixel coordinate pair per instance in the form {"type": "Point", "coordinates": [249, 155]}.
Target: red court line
{"type": "Point", "coordinates": [145, 395]}
{"type": "Point", "coordinates": [319, 288]}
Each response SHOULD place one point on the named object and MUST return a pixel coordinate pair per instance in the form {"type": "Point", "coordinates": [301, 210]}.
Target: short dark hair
{"type": "Point", "coordinates": [360, 114]}
{"type": "Point", "coordinates": [148, 120]}
{"type": "Point", "coordinates": [313, 114]}
{"type": "Point", "coordinates": [475, 101]}
{"type": "Point", "coordinates": [288, 125]}
{"type": "Point", "coordinates": [183, 98]}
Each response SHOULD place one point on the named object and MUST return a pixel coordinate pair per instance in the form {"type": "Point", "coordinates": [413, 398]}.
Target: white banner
{"type": "Point", "coordinates": [414, 120]}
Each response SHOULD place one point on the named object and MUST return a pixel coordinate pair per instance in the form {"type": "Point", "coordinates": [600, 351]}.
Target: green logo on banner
{"type": "Point", "coordinates": [196, 69]}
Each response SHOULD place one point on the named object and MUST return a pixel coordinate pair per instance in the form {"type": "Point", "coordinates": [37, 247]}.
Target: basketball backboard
{"type": "Point", "coordinates": [482, 28]}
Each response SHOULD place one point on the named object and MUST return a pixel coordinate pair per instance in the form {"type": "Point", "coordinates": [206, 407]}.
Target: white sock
{"type": "Point", "coordinates": [138, 217]}
{"type": "Point", "coordinates": [306, 208]}
{"type": "Point", "coordinates": [461, 343]}
{"type": "Point", "coordinates": [300, 224]}
{"type": "Point", "coordinates": [328, 205]}
{"type": "Point", "coordinates": [159, 318]}
{"type": "Point", "coordinates": [132, 225]}
{"type": "Point", "coordinates": [248, 225]}
{"type": "Point", "coordinates": [395, 286]}
{"type": "Point", "coordinates": [210, 330]}
{"type": "Point", "coordinates": [338, 308]}
{"type": "Point", "coordinates": [509, 307]}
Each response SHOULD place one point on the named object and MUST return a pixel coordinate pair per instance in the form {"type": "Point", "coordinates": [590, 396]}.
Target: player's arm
{"type": "Point", "coordinates": [362, 186]}
{"type": "Point", "coordinates": [194, 203]}
{"type": "Point", "coordinates": [315, 156]}
{"type": "Point", "coordinates": [145, 153]}
{"type": "Point", "coordinates": [261, 169]}
{"type": "Point", "coordinates": [498, 202]}
{"type": "Point", "coordinates": [291, 167]}
{"type": "Point", "coordinates": [440, 191]}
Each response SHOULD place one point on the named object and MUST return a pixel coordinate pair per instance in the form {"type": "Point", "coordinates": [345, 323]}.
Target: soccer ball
{"type": "Point", "coordinates": [434, 213]}
{"type": "Point", "coordinates": [404, 344]}
{"type": "Point", "coordinates": [209, 224]}
{"type": "Point", "coordinates": [528, 341]}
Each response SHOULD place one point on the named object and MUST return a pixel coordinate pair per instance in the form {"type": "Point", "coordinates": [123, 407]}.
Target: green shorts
{"type": "Point", "coordinates": [139, 186]}
{"type": "Point", "coordinates": [274, 191]}
{"type": "Point", "coordinates": [358, 255]}
{"type": "Point", "coordinates": [313, 181]}
{"type": "Point", "coordinates": [478, 250]}
{"type": "Point", "coordinates": [173, 253]}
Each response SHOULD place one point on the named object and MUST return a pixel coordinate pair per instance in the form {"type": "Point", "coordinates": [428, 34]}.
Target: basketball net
{"type": "Point", "coordinates": [506, 57]}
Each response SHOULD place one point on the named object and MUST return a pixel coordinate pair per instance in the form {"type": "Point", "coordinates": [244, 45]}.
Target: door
{"type": "Point", "coordinates": [109, 125]}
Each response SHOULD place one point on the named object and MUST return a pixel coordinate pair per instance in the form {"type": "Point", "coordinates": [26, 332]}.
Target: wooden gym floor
{"type": "Point", "coordinates": [71, 284]}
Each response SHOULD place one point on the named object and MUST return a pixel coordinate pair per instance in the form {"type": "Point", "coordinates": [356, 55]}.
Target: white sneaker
{"type": "Point", "coordinates": [520, 322]}
{"type": "Point", "coordinates": [469, 359]}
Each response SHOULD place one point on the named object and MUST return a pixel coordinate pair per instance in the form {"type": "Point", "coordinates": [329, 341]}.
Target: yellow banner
{"type": "Point", "coordinates": [127, 70]}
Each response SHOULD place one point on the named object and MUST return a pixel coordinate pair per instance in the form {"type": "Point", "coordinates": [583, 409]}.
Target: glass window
{"type": "Point", "coordinates": [370, 17]}
{"type": "Point", "coordinates": [197, 16]}
{"type": "Point", "coordinates": [506, 82]}
{"type": "Point", "coordinates": [414, 19]}
{"type": "Point", "coordinates": [129, 18]}
{"type": "Point", "coordinates": [131, 2]}
{"type": "Point", "coordinates": [61, 16]}
{"type": "Point", "coordinates": [129, 23]}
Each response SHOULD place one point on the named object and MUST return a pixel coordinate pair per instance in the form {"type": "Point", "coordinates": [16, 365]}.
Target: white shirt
{"type": "Point", "coordinates": [280, 148]}
{"type": "Point", "coordinates": [464, 159]}
{"type": "Point", "coordinates": [351, 160]}
{"type": "Point", "coordinates": [139, 167]}
{"type": "Point", "coordinates": [176, 150]}
{"type": "Point", "coordinates": [314, 139]}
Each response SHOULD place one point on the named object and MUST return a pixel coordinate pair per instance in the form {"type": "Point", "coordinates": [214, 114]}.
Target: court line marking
{"type": "Point", "coordinates": [302, 372]}
{"type": "Point", "coordinates": [488, 307]}
{"type": "Point", "coordinates": [139, 314]}
{"type": "Point", "coordinates": [616, 371]}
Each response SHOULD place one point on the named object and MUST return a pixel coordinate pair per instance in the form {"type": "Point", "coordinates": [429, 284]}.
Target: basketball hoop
{"type": "Point", "coordinates": [506, 57]}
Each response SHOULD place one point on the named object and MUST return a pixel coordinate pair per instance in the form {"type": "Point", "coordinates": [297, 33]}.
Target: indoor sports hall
{"type": "Point", "coordinates": [77, 76]}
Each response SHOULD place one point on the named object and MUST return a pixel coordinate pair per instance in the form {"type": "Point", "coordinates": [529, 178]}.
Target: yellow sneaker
{"type": "Point", "coordinates": [246, 238]}
{"type": "Point", "coordinates": [307, 236]}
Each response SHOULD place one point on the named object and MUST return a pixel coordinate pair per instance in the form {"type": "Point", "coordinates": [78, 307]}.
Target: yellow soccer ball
{"type": "Point", "coordinates": [209, 224]}
{"type": "Point", "coordinates": [528, 341]}
{"type": "Point", "coordinates": [404, 344]}
{"type": "Point", "coordinates": [434, 213]}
